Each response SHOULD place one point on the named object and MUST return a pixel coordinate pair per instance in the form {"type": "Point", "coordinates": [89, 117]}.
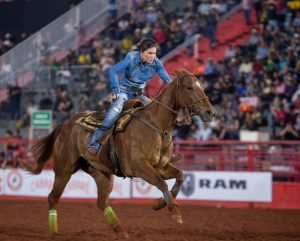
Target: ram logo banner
{"type": "Point", "coordinates": [188, 186]}
{"type": "Point", "coordinates": [223, 184]}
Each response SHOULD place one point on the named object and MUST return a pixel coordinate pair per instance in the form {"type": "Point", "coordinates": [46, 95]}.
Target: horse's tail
{"type": "Point", "coordinates": [42, 151]}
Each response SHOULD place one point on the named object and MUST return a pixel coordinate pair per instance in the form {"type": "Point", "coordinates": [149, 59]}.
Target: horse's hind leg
{"type": "Point", "coordinates": [149, 174]}
{"type": "Point", "coordinates": [59, 185]}
{"type": "Point", "coordinates": [169, 172]}
{"type": "Point", "coordinates": [104, 186]}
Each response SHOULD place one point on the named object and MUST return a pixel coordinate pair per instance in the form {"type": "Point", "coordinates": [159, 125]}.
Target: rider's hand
{"type": "Point", "coordinates": [115, 96]}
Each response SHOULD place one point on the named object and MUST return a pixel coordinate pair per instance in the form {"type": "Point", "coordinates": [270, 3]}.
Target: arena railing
{"type": "Point", "coordinates": [55, 40]}
{"type": "Point", "coordinates": [282, 158]}
{"type": "Point", "coordinates": [48, 77]}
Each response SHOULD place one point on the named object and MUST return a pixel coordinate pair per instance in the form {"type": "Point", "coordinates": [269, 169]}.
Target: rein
{"type": "Point", "coordinates": [174, 112]}
{"type": "Point", "coordinates": [167, 107]}
{"type": "Point", "coordinates": [147, 123]}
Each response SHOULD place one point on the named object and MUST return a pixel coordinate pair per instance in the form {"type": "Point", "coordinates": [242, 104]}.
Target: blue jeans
{"type": "Point", "coordinates": [117, 106]}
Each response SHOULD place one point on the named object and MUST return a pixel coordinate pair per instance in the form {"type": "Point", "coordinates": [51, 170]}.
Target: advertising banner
{"type": "Point", "coordinates": [81, 185]}
{"type": "Point", "coordinates": [216, 186]}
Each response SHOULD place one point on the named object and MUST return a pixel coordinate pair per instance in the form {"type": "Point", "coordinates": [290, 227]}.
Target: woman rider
{"type": "Point", "coordinates": [138, 67]}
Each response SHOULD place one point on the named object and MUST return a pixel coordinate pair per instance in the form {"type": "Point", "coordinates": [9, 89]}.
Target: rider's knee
{"type": "Point", "coordinates": [117, 109]}
{"type": "Point", "coordinates": [118, 105]}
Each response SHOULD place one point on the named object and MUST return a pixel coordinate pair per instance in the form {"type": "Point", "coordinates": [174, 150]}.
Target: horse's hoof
{"type": "Point", "coordinates": [177, 218]}
{"type": "Point", "coordinates": [126, 236]}
{"type": "Point", "coordinates": [158, 204]}
{"type": "Point", "coordinates": [120, 232]}
{"type": "Point", "coordinates": [123, 235]}
{"type": "Point", "coordinates": [175, 213]}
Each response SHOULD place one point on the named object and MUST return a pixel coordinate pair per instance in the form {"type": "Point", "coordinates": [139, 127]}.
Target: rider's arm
{"type": "Point", "coordinates": [161, 71]}
{"type": "Point", "coordinates": [113, 73]}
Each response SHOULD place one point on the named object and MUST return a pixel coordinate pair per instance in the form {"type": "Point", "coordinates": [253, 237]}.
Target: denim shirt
{"type": "Point", "coordinates": [135, 73]}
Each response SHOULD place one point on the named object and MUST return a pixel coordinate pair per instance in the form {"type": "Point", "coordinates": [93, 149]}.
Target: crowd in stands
{"type": "Point", "coordinates": [146, 19]}
{"type": "Point", "coordinates": [255, 87]}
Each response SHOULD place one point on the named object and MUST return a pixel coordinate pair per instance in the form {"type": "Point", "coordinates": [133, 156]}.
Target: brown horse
{"type": "Point", "coordinates": [142, 149]}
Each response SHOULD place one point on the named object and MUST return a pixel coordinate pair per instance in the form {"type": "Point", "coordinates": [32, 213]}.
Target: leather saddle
{"type": "Point", "coordinates": [93, 120]}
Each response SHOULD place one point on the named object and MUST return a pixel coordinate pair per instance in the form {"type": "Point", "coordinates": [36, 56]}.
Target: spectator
{"type": "Point", "coordinates": [272, 16]}
{"type": "Point", "coordinates": [210, 69]}
{"type": "Point", "coordinates": [63, 75]}
{"type": "Point", "coordinates": [203, 132]}
{"type": "Point", "coordinates": [289, 132]}
{"type": "Point", "coordinates": [8, 41]}
{"type": "Point", "coordinates": [246, 68]}
{"type": "Point", "coordinates": [15, 94]}
{"type": "Point", "coordinates": [7, 153]}
{"type": "Point", "coordinates": [230, 52]}
{"type": "Point", "coordinates": [25, 119]}
{"type": "Point", "coordinates": [113, 11]}
{"type": "Point", "coordinates": [204, 7]}
{"type": "Point", "coordinates": [247, 11]}
{"type": "Point", "coordinates": [262, 50]}
{"type": "Point", "coordinates": [258, 6]}
{"type": "Point", "coordinates": [212, 23]}
{"type": "Point", "coordinates": [63, 106]}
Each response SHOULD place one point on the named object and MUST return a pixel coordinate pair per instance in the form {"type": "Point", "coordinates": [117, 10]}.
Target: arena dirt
{"type": "Point", "coordinates": [82, 221]}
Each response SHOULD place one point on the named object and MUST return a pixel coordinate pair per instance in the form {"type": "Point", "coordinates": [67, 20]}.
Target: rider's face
{"type": "Point", "coordinates": [149, 55]}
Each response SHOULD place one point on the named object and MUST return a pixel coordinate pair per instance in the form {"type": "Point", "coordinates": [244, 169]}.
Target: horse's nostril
{"type": "Point", "coordinates": [211, 113]}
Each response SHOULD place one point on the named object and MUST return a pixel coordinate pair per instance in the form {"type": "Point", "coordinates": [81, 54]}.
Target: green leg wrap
{"type": "Point", "coordinates": [52, 219]}
{"type": "Point", "coordinates": [111, 217]}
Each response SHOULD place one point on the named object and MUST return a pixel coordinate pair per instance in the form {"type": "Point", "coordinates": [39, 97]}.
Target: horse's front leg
{"type": "Point", "coordinates": [104, 186]}
{"type": "Point", "coordinates": [169, 172]}
{"type": "Point", "coordinates": [149, 174]}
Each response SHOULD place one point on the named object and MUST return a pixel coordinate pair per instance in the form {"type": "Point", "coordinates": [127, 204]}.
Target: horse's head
{"type": "Point", "coordinates": [190, 94]}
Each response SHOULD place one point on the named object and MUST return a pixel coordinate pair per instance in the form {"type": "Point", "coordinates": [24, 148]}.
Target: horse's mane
{"type": "Point", "coordinates": [178, 75]}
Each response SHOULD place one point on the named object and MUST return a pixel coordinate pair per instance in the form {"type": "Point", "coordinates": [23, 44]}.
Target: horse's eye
{"type": "Point", "coordinates": [190, 88]}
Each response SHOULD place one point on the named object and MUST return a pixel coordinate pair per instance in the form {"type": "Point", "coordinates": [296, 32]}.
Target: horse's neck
{"type": "Point", "coordinates": [159, 115]}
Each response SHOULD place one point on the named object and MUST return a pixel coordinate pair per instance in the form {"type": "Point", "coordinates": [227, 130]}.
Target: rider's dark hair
{"type": "Point", "coordinates": [145, 44]}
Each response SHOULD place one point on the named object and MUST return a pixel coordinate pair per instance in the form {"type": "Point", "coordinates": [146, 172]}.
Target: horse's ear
{"type": "Point", "coordinates": [177, 72]}
{"type": "Point", "coordinates": [181, 71]}
{"type": "Point", "coordinates": [184, 71]}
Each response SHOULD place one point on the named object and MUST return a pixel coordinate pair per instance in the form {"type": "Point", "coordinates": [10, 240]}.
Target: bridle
{"type": "Point", "coordinates": [192, 107]}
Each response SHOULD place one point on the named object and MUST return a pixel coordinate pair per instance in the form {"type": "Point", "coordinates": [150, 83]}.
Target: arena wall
{"type": "Point", "coordinates": [228, 189]}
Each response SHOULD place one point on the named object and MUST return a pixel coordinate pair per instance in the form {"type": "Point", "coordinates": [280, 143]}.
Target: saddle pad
{"type": "Point", "coordinates": [90, 123]}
